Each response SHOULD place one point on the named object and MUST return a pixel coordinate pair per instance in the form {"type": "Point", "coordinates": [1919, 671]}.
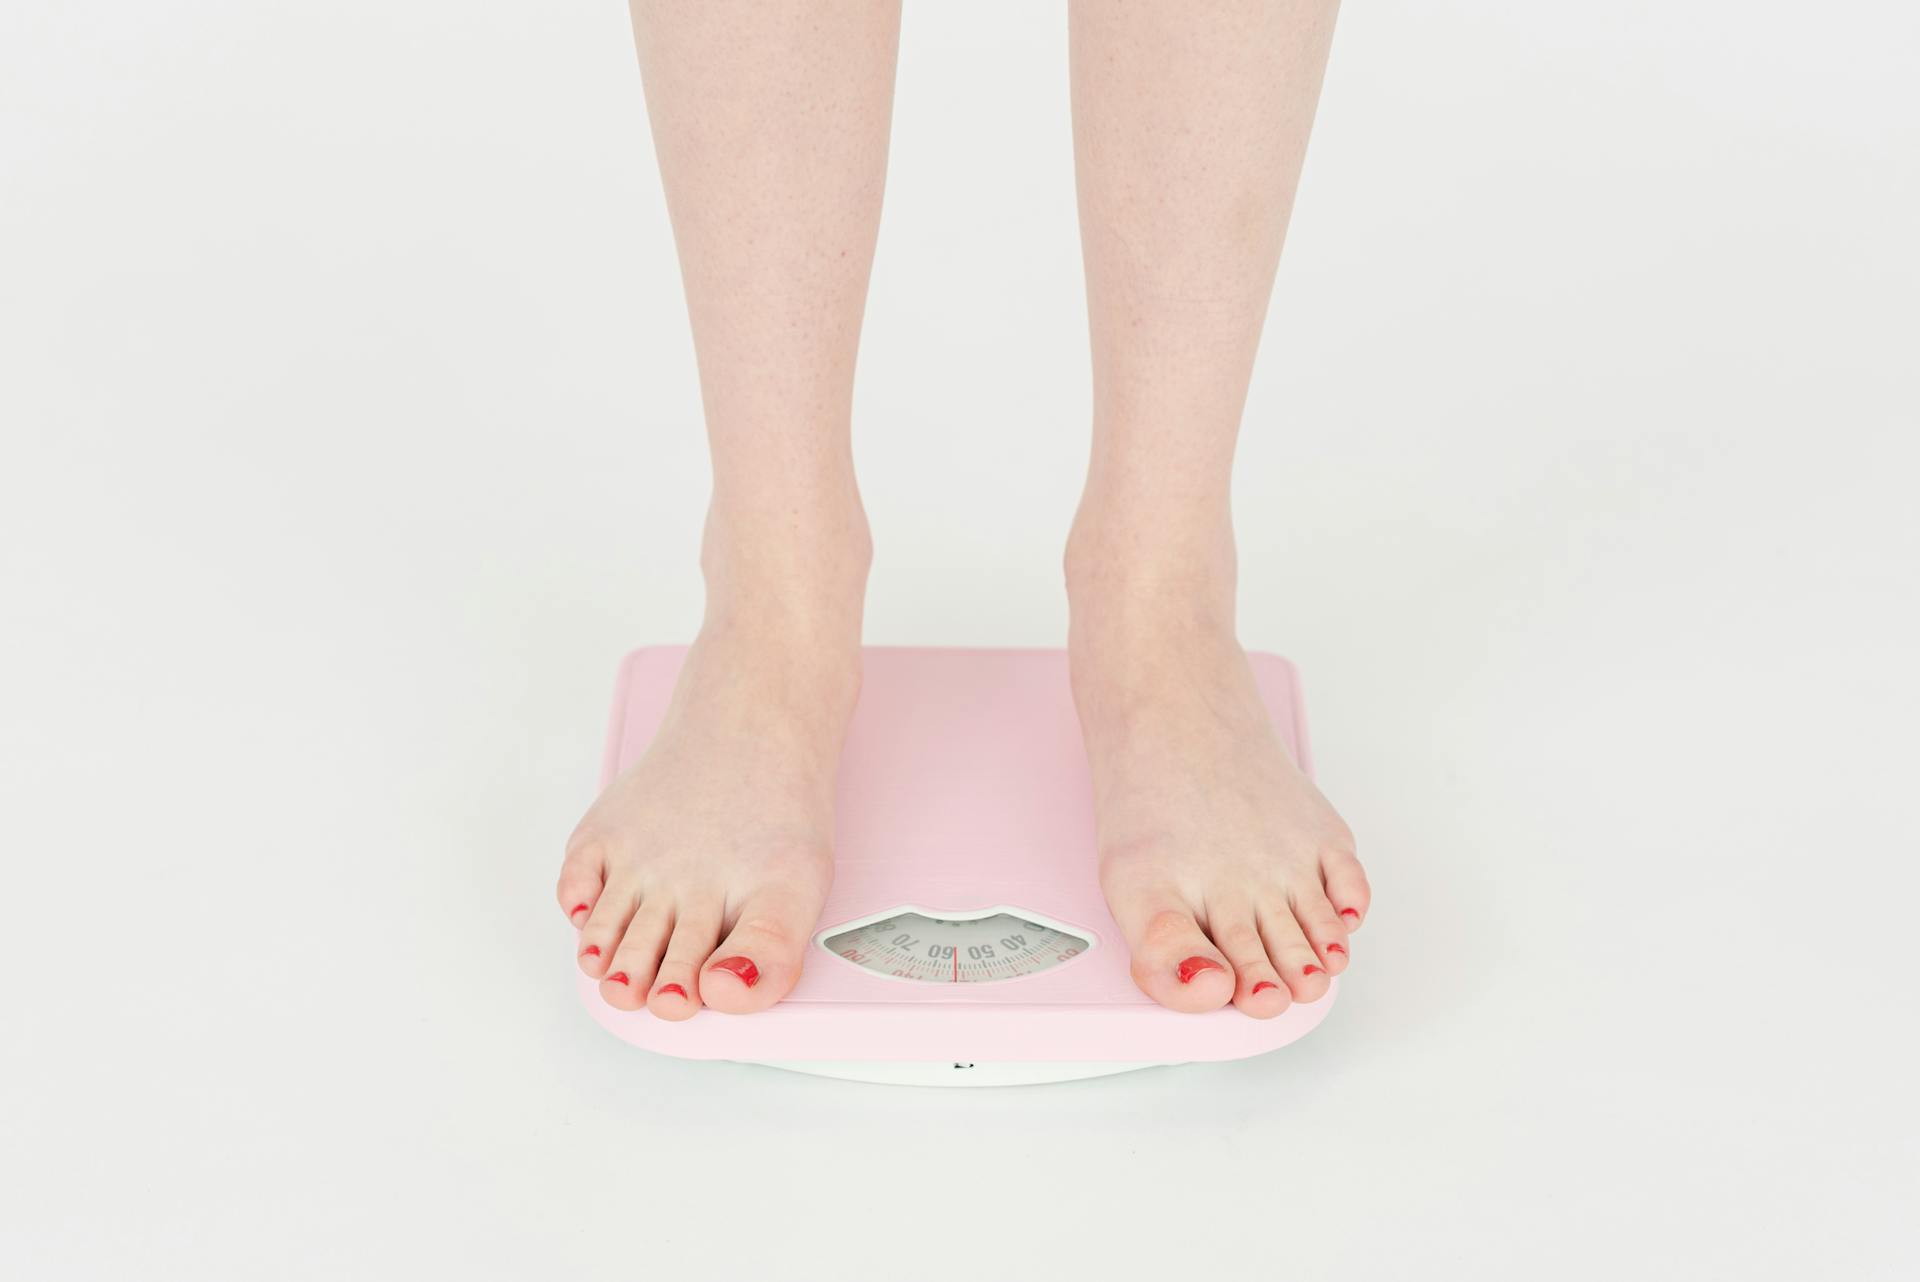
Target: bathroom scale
{"type": "Point", "coordinates": [965, 941]}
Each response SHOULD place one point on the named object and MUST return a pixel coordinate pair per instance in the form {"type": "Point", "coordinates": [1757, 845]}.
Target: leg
{"type": "Point", "coordinates": [1230, 875]}
{"type": "Point", "coordinates": [697, 877]}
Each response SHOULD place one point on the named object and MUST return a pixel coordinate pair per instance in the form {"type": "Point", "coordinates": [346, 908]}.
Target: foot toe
{"type": "Point", "coordinates": [1300, 967]}
{"type": "Point", "coordinates": [1323, 928]}
{"type": "Point", "coordinates": [1346, 886]}
{"type": "Point", "coordinates": [759, 961]}
{"type": "Point", "coordinates": [602, 930]}
{"type": "Point", "coordinates": [582, 875]}
{"type": "Point", "coordinates": [1177, 965]}
{"type": "Point", "coordinates": [1257, 990]}
{"type": "Point", "coordinates": [676, 984]}
{"type": "Point", "coordinates": [635, 959]}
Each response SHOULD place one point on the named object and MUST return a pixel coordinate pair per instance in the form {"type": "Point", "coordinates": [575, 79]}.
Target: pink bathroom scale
{"type": "Point", "coordinates": [965, 941]}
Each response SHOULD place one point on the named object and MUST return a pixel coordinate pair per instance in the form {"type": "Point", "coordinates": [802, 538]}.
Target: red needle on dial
{"type": "Point", "coordinates": [956, 963]}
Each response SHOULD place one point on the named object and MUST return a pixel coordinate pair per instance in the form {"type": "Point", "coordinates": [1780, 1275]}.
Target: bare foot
{"type": "Point", "coordinates": [1228, 872]}
{"type": "Point", "coordinates": [698, 876]}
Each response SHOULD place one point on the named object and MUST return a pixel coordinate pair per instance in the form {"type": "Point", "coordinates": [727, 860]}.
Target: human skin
{"type": "Point", "coordinates": [698, 876]}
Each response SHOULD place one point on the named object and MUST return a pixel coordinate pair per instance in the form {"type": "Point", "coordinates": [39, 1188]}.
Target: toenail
{"type": "Point", "coordinates": [740, 968]}
{"type": "Point", "coordinates": [591, 950]}
{"type": "Point", "coordinates": [1337, 948]}
{"type": "Point", "coordinates": [618, 977]}
{"type": "Point", "coordinates": [1350, 912]}
{"type": "Point", "coordinates": [675, 989]}
{"type": "Point", "coordinates": [1263, 985]}
{"type": "Point", "coordinates": [1194, 965]}
{"type": "Point", "coordinates": [1310, 970]}
{"type": "Point", "coordinates": [577, 910]}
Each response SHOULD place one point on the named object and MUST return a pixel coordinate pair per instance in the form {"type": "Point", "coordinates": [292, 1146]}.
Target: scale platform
{"type": "Point", "coordinates": [965, 941]}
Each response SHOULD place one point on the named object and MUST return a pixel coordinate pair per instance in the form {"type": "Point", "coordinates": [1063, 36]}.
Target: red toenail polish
{"type": "Point", "coordinates": [1263, 985]}
{"type": "Point", "coordinates": [618, 977]}
{"type": "Point", "coordinates": [675, 989]}
{"type": "Point", "coordinates": [740, 968]}
{"type": "Point", "coordinates": [577, 910]}
{"type": "Point", "coordinates": [1350, 912]}
{"type": "Point", "coordinates": [1311, 970]}
{"type": "Point", "coordinates": [1193, 966]}
{"type": "Point", "coordinates": [1337, 948]}
{"type": "Point", "coordinates": [591, 950]}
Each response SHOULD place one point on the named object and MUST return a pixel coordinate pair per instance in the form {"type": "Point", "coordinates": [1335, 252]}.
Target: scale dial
{"type": "Point", "coordinates": [955, 948]}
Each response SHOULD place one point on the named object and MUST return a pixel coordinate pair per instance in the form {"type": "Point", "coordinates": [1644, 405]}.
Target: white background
{"type": "Point", "coordinates": [351, 436]}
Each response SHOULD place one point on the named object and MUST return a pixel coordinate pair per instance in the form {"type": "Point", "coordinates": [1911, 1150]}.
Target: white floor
{"type": "Point", "coordinates": [351, 435]}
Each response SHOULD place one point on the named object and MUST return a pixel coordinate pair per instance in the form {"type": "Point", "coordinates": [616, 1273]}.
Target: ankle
{"type": "Point", "coordinates": [794, 570]}
{"type": "Point", "coordinates": [779, 651]}
{"type": "Point", "coordinates": [1144, 577]}
{"type": "Point", "coordinates": [790, 553]}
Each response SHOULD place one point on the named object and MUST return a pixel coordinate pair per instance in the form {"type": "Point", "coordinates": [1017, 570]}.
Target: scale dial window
{"type": "Point", "coordinates": [933, 948]}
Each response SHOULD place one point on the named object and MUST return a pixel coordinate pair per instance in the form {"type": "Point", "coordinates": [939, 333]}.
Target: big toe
{"type": "Point", "coordinates": [759, 961]}
{"type": "Point", "coordinates": [1175, 963]}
